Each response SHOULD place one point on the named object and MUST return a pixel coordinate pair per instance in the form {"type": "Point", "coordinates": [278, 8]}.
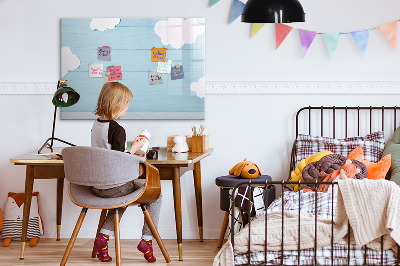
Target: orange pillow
{"type": "Point", "coordinates": [375, 170]}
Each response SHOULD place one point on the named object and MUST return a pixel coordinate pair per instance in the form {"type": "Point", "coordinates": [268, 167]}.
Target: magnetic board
{"type": "Point", "coordinates": [161, 60]}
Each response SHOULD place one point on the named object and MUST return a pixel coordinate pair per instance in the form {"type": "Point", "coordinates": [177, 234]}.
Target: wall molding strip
{"type": "Point", "coordinates": [304, 87]}
{"type": "Point", "coordinates": [248, 87]}
{"type": "Point", "coordinates": [28, 88]}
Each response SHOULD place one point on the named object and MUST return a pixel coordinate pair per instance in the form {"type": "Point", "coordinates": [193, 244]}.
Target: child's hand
{"type": "Point", "coordinates": [137, 144]}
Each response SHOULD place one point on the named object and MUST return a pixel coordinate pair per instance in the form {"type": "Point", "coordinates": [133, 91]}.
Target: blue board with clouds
{"type": "Point", "coordinates": [89, 47]}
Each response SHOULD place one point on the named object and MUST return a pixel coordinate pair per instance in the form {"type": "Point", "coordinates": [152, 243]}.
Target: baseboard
{"type": "Point", "coordinates": [248, 87]}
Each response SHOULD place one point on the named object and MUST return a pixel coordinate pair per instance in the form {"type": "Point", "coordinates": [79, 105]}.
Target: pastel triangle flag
{"type": "Point", "coordinates": [306, 39]}
{"type": "Point", "coordinates": [332, 41]}
{"type": "Point", "coordinates": [389, 30]}
{"type": "Point", "coordinates": [256, 27]}
{"type": "Point", "coordinates": [213, 2]}
{"type": "Point", "coordinates": [361, 37]}
{"type": "Point", "coordinates": [281, 31]}
{"type": "Point", "coordinates": [237, 9]}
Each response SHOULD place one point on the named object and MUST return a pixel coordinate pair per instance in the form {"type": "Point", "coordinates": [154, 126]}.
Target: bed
{"type": "Point", "coordinates": [298, 227]}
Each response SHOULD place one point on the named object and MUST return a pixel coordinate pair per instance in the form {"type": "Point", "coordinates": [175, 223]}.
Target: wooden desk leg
{"type": "Point", "coordinates": [27, 206]}
{"type": "Point", "coordinates": [60, 190]}
{"type": "Point", "coordinates": [199, 204]}
{"type": "Point", "coordinates": [176, 183]}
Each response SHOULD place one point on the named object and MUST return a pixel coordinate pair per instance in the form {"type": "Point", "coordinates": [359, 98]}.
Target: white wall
{"type": "Point", "coordinates": [259, 127]}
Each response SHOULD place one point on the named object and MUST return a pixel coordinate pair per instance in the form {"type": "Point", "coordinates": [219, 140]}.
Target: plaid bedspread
{"type": "Point", "coordinates": [321, 205]}
{"type": "Point", "coordinates": [307, 202]}
{"type": "Point", "coordinates": [324, 257]}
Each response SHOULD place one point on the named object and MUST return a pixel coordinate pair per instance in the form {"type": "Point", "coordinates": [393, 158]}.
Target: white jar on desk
{"type": "Point", "coordinates": [144, 134]}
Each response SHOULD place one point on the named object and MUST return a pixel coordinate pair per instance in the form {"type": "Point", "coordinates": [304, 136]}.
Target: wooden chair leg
{"type": "Point", "coordinates": [154, 230]}
{"type": "Point", "coordinates": [117, 238]}
{"type": "Point", "coordinates": [223, 229]}
{"type": "Point", "coordinates": [73, 237]}
{"type": "Point", "coordinates": [101, 222]}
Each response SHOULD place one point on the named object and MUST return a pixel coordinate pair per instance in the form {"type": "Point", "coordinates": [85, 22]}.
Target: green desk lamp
{"type": "Point", "coordinates": [64, 96]}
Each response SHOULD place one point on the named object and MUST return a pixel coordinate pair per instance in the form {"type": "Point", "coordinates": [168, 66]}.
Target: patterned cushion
{"type": "Point", "coordinates": [393, 148]}
{"type": "Point", "coordinates": [372, 144]}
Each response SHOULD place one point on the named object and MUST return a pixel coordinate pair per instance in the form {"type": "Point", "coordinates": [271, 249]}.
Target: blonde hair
{"type": "Point", "coordinates": [113, 98]}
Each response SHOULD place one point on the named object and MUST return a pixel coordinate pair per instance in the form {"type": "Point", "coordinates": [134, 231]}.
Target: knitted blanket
{"type": "Point", "coordinates": [371, 207]}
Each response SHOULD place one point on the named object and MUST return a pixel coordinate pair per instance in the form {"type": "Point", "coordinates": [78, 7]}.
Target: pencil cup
{"type": "Point", "coordinates": [200, 143]}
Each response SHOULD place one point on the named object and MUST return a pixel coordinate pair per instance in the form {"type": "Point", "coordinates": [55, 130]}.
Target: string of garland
{"type": "Point", "coordinates": [376, 28]}
{"type": "Point", "coordinates": [361, 37]}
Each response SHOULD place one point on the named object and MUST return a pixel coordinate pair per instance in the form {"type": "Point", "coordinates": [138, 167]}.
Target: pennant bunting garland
{"type": "Point", "coordinates": [306, 39]}
{"type": "Point", "coordinates": [361, 37]}
{"type": "Point", "coordinates": [213, 2]}
{"type": "Point", "coordinates": [237, 9]}
{"type": "Point", "coordinates": [281, 31]}
{"type": "Point", "coordinates": [389, 30]}
{"type": "Point", "coordinates": [332, 41]}
{"type": "Point", "coordinates": [256, 27]}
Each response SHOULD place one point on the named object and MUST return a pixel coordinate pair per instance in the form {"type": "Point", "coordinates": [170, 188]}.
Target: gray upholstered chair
{"type": "Point", "coordinates": [85, 167]}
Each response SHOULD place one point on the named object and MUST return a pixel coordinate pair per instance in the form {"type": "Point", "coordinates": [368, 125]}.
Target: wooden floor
{"type": "Point", "coordinates": [50, 252]}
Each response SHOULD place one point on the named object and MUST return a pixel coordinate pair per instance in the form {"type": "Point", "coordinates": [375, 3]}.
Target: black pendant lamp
{"type": "Point", "coordinates": [273, 11]}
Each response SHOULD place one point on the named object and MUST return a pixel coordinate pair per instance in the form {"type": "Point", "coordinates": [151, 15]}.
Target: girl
{"type": "Point", "coordinates": [112, 104]}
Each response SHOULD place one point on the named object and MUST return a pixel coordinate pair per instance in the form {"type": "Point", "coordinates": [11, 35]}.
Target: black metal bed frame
{"type": "Point", "coordinates": [283, 184]}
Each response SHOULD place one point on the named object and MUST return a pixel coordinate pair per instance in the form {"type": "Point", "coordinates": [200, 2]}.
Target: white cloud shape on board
{"type": "Point", "coordinates": [103, 24]}
{"type": "Point", "coordinates": [199, 87]}
{"type": "Point", "coordinates": [69, 61]}
{"type": "Point", "coordinates": [178, 31]}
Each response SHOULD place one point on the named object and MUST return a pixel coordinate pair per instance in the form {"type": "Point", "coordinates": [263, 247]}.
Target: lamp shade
{"type": "Point", "coordinates": [65, 96]}
{"type": "Point", "coordinates": [273, 11]}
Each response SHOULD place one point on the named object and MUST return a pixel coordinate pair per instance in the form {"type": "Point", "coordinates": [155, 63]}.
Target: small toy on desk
{"type": "Point", "coordinates": [171, 143]}
{"type": "Point", "coordinates": [245, 169]}
{"type": "Point", "coordinates": [13, 215]}
{"type": "Point", "coordinates": [180, 144]}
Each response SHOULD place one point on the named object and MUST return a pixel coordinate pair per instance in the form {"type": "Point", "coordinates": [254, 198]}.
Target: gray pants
{"type": "Point", "coordinates": [154, 208]}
